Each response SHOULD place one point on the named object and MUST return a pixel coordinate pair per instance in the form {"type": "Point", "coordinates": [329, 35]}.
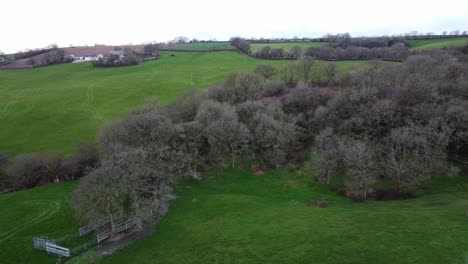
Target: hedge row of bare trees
{"type": "Point", "coordinates": [29, 170]}
{"type": "Point", "coordinates": [397, 52]}
{"type": "Point", "coordinates": [240, 43]}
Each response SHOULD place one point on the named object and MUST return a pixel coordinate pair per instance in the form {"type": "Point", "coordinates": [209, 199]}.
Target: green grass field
{"type": "Point", "coordinates": [48, 109]}
{"type": "Point", "coordinates": [25, 214]}
{"type": "Point", "coordinates": [243, 218]}
{"type": "Point", "coordinates": [203, 46]}
{"type": "Point", "coordinates": [428, 44]}
{"type": "Point", "coordinates": [287, 45]}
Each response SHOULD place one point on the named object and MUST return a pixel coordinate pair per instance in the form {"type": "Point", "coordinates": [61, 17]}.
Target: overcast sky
{"type": "Point", "coordinates": [37, 23]}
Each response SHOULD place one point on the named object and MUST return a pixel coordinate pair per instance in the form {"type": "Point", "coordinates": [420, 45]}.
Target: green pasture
{"type": "Point", "coordinates": [428, 44]}
{"type": "Point", "coordinates": [286, 46]}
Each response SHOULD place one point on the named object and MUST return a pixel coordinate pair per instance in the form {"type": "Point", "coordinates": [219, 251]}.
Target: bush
{"type": "Point", "coordinates": [266, 70]}
{"type": "Point", "coordinates": [84, 159]}
{"type": "Point", "coordinates": [274, 88]}
{"type": "Point", "coordinates": [4, 182]}
{"type": "Point", "coordinates": [238, 88]}
{"type": "Point", "coordinates": [128, 59]}
{"type": "Point", "coordinates": [25, 171]}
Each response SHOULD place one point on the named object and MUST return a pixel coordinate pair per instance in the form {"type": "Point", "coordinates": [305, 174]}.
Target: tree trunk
{"type": "Point", "coordinates": [113, 231]}
{"type": "Point", "coordinates": [365, 191]}
{"type": "Point", "coordinates": [195, 164]}
{"type": "Point", "coordinates": [233, 157]}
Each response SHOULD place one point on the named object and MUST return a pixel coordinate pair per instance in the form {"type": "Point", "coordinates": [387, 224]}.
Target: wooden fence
{"type": "Point", "coordinates": [84, 230]}
{"type": "Point", "coordinates": [43, 243]}
{"type": "Point", "coordinates": [119, 228]}
{"type": "Point", "coordinates": [40, 242]}
{"type": "Point", "coordinates": [57, 250]}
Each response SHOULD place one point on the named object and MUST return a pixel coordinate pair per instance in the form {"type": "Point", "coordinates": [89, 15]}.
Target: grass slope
{"type": "Point", "coordinates": [428, 44]}
{"type": "Point", "coordinates": [48, 109]}
{"type": "Point", "coordinates": [40, 211]}
{"type": "Point", "coordinates": [287, 45]}
{"type": "Point", "coordinates": [242, 218]}
{"type": "Point", "coordinates": [203, 46]}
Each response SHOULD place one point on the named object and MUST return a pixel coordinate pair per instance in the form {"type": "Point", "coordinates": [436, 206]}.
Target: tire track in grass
{"type": "Point", "coordinates": [52, 207]}
{"type": "Point", "coordinates": [89, 96]}
{"type": "Point", "coordinates": [10, 103]}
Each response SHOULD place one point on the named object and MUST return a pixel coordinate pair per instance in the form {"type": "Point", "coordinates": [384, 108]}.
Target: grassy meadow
{"type": "Point", "coordinates": [239, 217]}
{"type": "Point", "coordinates": [428, 44]}
{"type": "Point", "coordinates": [254, 47]}
{"type": "Point", "coordinates": [49, 108]}
{"type": "Point", "coordinates": [41, 211]}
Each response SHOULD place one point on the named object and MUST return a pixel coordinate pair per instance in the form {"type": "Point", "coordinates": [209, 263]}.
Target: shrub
{"type": "Point", "coordinates": [84, 159]}
{"type": "Point", "coordinates": [266, 70]}
{"type": "Point", "coordinates": [274, 88]}
{"type": "Point", "coordinates": [25, 171]}
{"type": "Point", "coordinates": [238, 88]}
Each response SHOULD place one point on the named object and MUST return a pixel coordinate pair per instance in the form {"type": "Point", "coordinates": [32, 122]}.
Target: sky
{"type": "Point", "coordinates": [37, 23]}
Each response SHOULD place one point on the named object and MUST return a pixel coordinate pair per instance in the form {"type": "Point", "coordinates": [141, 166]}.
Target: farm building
{"type": "Point", "coordinates": [116, 52]}
{"type": "Point", "coordinates": [85, 57]}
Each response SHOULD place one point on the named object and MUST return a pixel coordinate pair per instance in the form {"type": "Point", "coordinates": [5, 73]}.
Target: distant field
{"type": "Point", "coordinates": [428, 44]}
{"type": "Point", "coordinates": [48, 109]}
{"type": "Point", "coordinates": [203, 46]}
{"type": "Point", "coordinates": [287, 45]}
{"type": "Point", "coordinates": [40, 211]}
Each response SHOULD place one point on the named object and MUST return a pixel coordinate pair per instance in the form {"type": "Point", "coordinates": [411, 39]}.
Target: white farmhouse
{"type": "Point", "coordinates": [86, 57]}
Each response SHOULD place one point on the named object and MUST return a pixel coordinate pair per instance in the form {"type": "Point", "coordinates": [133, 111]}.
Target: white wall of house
{"type": "Point", "coordinates": [78, 58]}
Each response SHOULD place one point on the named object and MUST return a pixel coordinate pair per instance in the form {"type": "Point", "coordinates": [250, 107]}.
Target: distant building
{"type": "Point", "coordinates": [86, 57]}
{"type": "Point", "coordinates": [117, 52]}
{"type": "Point", "coordinates": [3, 59]}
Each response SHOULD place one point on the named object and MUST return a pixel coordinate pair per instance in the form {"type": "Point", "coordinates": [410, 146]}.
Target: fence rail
{"type": "Point", "coordinates": [84, 230]}
{"type": "Point", "coordinates": [57, 250]}
{"type": "Point", "coordinates": [119, 228]}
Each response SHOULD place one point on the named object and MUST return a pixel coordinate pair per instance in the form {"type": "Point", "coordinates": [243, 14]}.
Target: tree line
{"type": "Point", "coordinates": [382, 123]}
{"type": "Point", "coordinates": [343, 48]}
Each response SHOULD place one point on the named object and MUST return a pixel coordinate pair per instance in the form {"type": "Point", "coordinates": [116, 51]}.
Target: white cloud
{"type": "Point", "coordinates": [35, 23]}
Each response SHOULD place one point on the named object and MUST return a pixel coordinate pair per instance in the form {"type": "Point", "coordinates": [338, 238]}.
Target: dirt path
{"type": "Point", "coordinates": [109, 247]}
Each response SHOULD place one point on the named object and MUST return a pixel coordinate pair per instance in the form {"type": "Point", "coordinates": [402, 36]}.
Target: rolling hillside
{"type": "Point", "coordinates": [49, 108]}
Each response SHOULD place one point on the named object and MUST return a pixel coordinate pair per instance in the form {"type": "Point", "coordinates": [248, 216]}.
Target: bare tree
{"type": "Point", "coordinates": [295, 52]}
{"type": "Point", "coordinates": [360, 161]}
{"type": "Point", "coordinates": [101, 193]}
{"type": "Point", "coordinates": [330, 72]}
{"type": "Point", "coordinates": [327, 155]}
